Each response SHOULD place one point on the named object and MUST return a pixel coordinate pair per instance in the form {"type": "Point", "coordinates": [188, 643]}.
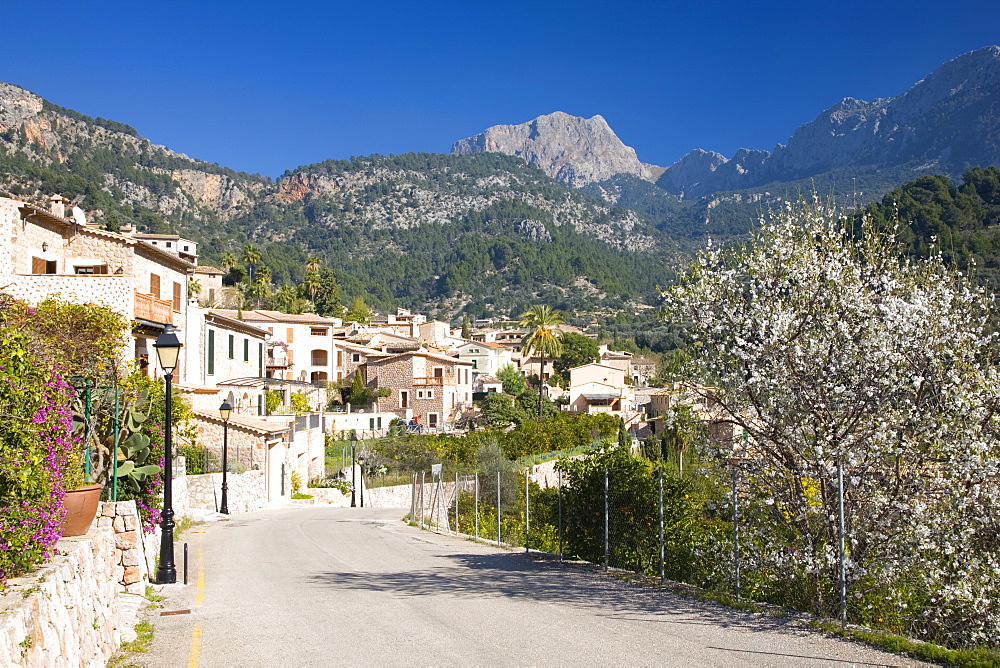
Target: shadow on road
{"type": "Point", "coordinates": [515, 576]}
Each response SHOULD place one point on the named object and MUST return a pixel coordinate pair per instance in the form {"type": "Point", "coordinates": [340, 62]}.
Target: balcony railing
{"type": "Point", "coordinates": [428, 380]}
{"type": "Point", "coordinates": [278, 362]}
{"type": "Point", "coordinates": [150, 308]}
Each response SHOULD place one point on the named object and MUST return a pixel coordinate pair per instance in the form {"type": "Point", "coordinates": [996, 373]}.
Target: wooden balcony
{"type": "Point", "coordinates": [148, 307]}
{"type": "Point", "coordinates": [428, 380]}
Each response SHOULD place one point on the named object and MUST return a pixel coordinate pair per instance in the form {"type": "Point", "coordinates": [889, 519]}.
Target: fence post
{"type": "Point", "coordinates": [606, 515]}
{"type": "Point", "coordinates": [456, 503]}
{"type": "Point", "coordinates": [559, 495]}
{"type": "Point", "coordinates": [498, 508]}
{"type": "Point", "coordinates": [843, 564]}
{"type": "Point", "coordinates": [423, 475]}
{"type": "Point", "coordinates": [660, 486]}
{"type": "Point", "coordinates": [736, 535]}
{"type": "Point", "coordinates": [413, 497]}
{"type": "Point", "coordinates": [477, 505]}
{"type": "Point", "coordinates": [527, 519]}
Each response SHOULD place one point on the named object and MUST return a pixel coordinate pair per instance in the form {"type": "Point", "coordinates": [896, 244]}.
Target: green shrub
{"type": "Point", "coordinates": [195, 459]}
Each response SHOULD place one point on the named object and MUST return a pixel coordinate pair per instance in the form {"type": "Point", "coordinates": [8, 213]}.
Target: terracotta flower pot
{"type": "Point", "coordinates": [81, 509]}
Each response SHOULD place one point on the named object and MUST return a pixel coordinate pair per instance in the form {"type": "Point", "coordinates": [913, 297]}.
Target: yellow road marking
{"type": "Point", "coordinates": [195, 646]}
{"type": "Point", "coordinates": [198, 599]}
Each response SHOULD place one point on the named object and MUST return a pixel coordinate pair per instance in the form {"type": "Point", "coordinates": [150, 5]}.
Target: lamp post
{"type": "Point", "coordinates": [168, 349]}
{"type": "Point", "coordinates": [354, 465]}
{"type": "Point", "coordinates": [224, 412]}
{"type": "Point", "coordinates": [361, 465]}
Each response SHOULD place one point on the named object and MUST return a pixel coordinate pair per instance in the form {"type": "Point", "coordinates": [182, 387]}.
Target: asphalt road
{"type": "Point", "coordinates": [322, 586]}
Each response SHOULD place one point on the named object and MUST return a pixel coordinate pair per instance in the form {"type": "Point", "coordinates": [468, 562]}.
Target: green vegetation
{"type": "Point", "coordinates": [980, 657]}
{"type": "Point", "coordinates": [961, 222]}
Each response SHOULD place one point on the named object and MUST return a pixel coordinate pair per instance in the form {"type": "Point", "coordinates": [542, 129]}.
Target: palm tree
{"type": "Point", "coordinates": [543, 337]}
{"type": "Point", "coordinates": [311, 284]}
{"type": "Point", "coordinates": [313, 264]}
{"type": "Point", "coordinates": [251, 256]}
{"type": "Point", "coordinates": [228, 261]}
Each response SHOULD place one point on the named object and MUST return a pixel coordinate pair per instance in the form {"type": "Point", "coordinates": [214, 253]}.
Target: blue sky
{"type": "Point", "coordinates": [264, 86]}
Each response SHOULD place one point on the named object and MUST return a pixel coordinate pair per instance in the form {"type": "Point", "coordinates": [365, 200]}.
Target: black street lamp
{"type": "Point", "coordinates": [224, 411]}
{"type": "Point", "coordinates": [168, 349]}
{"type": "Point", "coordinates": [354, 465]}
{"type": "Point", "coordinates": [361, 464]}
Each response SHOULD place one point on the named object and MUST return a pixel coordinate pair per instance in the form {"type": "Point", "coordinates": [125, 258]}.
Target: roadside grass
{"type": "Point", "coordinates": [123, 658]}
{"type": "Point", "coordinates": [182, 524]}
{"type": "Point", "coordinates": [980, 657]}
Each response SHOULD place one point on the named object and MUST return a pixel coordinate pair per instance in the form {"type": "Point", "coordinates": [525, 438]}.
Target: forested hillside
{"type": "Point", "coordinates": [961, 221]}
{"type": "Point", "coordinates": [482, 233]}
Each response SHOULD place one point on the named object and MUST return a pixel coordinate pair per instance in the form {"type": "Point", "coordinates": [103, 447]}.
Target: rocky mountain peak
{"type": "Point", "coordinates": [574, 150]}
{"type": "Point", "coordinates": [17, 104]}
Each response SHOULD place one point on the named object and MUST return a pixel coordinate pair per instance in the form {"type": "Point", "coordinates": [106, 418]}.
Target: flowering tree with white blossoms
{"type": "Point", "coordinates": [827, 347]}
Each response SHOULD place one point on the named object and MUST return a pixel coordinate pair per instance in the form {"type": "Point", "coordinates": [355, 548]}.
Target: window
{"type": "Point", "coordinates": [473, 351]}
{"type": "Point", "coordinates": [319, 357]}
{"type": "Point", "coordinates": [340, 358]}
{"type": "Point", "coordinates": [232, 341]}
{"type": "Point", "coordinates": [89, 270]}
{"type": "Point", "coordinates": [177, 296]}
{"type": "Point", "coordinates": [260, 360]}
{"type": "Point", "coordinates": [430, 394]}
{"type": "Point", "coordinates": [154, 285]}
{"type": "Point", "coordinates": [438, 372]}
{"type": "Point", "coordinates": [246, 350]}
{"type": "Point", "coordinates": [288, 332]}
{"type": "Point", "coordinates": [355, 357]}
{"type": "Point", "coordinates": [432, 420]}
{"type": "Point", "coordinates": [371, 423]}
{"type": "Point", "coordinates": [420, 394]}
{"type": "Point", "coordinates": [168, 244]}
{"type": "Point", "coordinates": [378, 423]}
{"type": "Point", "coordinates": [211, 352]}
{"type": "Point", "coordinates": [318, 331]}
{"type": "Point", "coordinates": [475, 364]}
{"type": "Point", "coordinates": [404, 399]}
{"type": "Point", "coordinates": [40, 266]}
{"type": "Point", "coordinates": [185, 248]}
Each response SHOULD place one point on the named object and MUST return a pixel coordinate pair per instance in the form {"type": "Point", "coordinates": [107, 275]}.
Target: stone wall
{"type": "Point", "coordinates": [112, 291]}
{"type": "Point", "coordinates": [246, 491]}
{"type": "Point", "coordinates": [135, 550]}
{"type": "Point", "coordinates": [377, 497]}
{"type": "Point", "coordinates": [66, 613]}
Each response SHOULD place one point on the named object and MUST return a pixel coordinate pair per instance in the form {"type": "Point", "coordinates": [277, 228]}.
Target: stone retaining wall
{"type": "Point", "coordinates": [376, 497]}
{"type": "Point", "coordinates": [246, 491]}
{"type": "Point", "coordinates": [135, 549]}
{"type": "Point", "coordinates": [66, 613]}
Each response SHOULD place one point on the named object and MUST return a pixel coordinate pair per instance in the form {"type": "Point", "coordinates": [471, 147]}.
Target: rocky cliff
{"type": "Point", "coordinates": [573, 150]}
{"type": "Point", "coordinates": [46, 148]}
{"type": "Point", "coordinates": [946, 122]}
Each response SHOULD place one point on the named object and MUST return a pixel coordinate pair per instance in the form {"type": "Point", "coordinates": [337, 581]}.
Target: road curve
{"type": "Point", "coordinates": [322, 586]}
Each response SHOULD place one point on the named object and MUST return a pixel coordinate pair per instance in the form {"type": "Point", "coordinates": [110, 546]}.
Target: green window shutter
{"type": "Point", "coordinates": [232, 341]}
{"type": "Point", "coordinates": [260, 361]}
{"type": "Point", "coordinates": [371, 423]}
{"type": "Point", "coordinates": [211, 352]}
{"type": "Point", "coordinates": [246, 350]}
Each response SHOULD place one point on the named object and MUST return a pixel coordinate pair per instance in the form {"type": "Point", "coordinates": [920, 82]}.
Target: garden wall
{"type": "Point", "coordinates": [67, 613]}
{"type": "Point", "coordinates": [247, 491]}
{"type": "Point", "coordinates": [376, 497]}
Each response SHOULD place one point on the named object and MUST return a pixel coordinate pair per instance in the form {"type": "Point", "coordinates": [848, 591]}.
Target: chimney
{"type": "Point", "coordinates": [126, 230]}
{"type": "Point", "coordinates": [57, 206]}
